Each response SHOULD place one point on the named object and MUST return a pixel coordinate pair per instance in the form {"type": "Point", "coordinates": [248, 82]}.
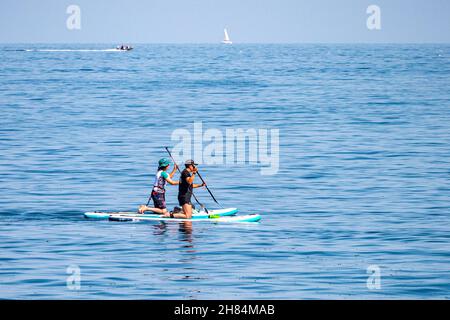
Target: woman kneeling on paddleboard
{"type": "Point", "coordinates": [159, 191]}
{"type": "Point", "coordinates": [185, 190]}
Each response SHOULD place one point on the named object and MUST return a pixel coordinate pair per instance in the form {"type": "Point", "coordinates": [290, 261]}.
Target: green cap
{"type": "Point", "coordinates": [164, 162]}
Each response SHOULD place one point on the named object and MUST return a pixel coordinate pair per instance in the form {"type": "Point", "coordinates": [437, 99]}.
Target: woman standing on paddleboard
{"type": "Point", "coordinates": [159, 187]}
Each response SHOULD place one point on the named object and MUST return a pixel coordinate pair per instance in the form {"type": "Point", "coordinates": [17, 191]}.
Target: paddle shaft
{"type": "Point", "coordinates": [212, 196]}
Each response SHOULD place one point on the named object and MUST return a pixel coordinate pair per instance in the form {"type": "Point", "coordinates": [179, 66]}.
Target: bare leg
{"type": "Point", "coordinates": [143, 209]}
{"type": "Point", "coordinates": [187, 208]}
{"type": "Point", "coordinates": [185, 214]}
{"type": "Point", "coordinates": [157, 211]}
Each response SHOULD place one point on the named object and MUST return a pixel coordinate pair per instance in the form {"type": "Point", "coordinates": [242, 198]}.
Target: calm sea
{"type": "Point", "coordinates": [363, 184]}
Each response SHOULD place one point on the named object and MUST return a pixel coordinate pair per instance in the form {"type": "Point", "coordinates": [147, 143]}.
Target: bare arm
{"type": "Point", "coordinates": [190, 179]}
{"type": "Point", "coordinates": [175, 167]}
{"type": "Point", "coordinates": [170, 181]}
{"type": "Point", "coordinates": [198, 185]}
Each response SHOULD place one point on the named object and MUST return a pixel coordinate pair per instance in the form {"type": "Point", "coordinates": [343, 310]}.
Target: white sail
{"type": "Point", "coordinates": [226, 38]}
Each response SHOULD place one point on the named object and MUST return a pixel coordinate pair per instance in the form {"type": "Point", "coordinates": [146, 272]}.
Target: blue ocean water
{"type": "Point", "coordinates": [363, 179]}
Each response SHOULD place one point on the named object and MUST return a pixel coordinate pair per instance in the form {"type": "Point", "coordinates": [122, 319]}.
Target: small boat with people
{"type": "Point", "coordinates": [124, 48]}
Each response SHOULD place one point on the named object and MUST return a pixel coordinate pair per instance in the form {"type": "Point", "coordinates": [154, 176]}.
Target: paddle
{"type": "Point", "coordinates": [201, 205]}
{"type": "Point", "coordinates": [212, 196]}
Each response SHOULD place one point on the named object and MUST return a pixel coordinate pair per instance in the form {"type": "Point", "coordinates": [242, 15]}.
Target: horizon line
{"type": "Point", "coordinates": [219, 43]}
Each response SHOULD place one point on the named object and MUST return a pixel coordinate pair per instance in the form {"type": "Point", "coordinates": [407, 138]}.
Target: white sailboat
{"type": "Point", "coordinates": [226, 39]}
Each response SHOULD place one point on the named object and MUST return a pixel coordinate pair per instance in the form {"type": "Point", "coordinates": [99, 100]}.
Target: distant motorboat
{"type": "Point", "coordinates": [226, 39]}
{"type": "Point", "coordinates": [124, 48]}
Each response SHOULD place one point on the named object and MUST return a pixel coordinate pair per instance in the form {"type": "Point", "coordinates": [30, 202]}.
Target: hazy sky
{"type": "Point", "coordinates": [202, 21]}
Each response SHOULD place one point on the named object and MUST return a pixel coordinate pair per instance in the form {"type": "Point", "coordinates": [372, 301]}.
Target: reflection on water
{"type": "Point", "coordinates": [160, 229]}
{"type": "Point", "coordinates": [185, 231]}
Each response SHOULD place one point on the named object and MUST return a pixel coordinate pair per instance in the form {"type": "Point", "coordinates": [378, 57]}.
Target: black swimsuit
{"type": "Point", "coordinates": [185, 189]}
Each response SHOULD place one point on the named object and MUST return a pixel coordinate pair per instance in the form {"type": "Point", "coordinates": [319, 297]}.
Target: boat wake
{"type": "Point", "coordinates": [73, 50]}
{"type": "Point", "coordinates": [29, 214]}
